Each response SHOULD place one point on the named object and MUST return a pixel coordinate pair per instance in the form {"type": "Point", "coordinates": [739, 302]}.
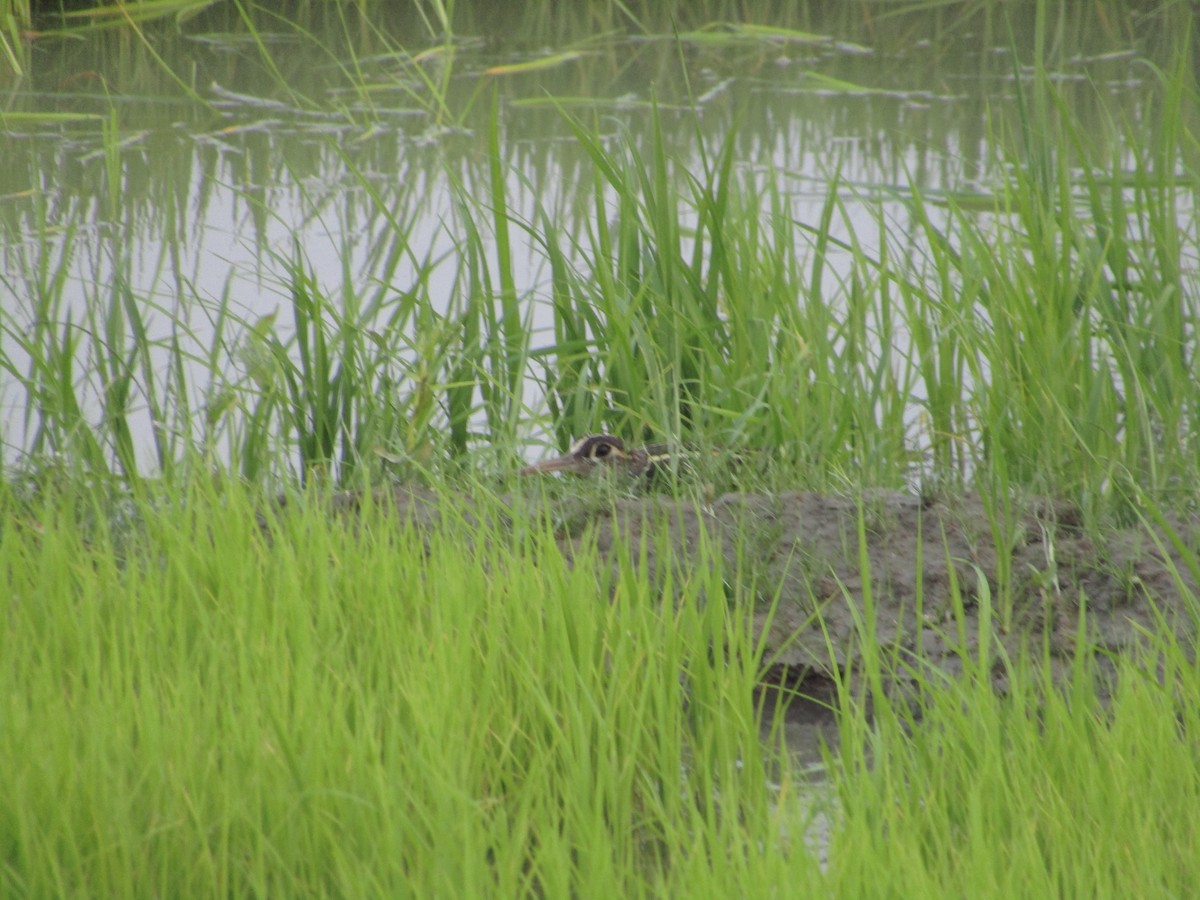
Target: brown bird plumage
{"type": "Point", "coordinates": [600, 452]}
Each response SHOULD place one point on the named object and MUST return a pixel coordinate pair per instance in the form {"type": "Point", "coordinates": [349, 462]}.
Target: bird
{"type": "Point", "coordinates": [604, 452]}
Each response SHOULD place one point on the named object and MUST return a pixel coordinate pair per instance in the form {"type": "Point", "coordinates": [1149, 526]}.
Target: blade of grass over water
{"type": "Point", "coordinates": [509, 357]}
{"type": "Point", "coordinates": [535, 65]}
{"type": "Point", "coordinates": [143, 10]}
{"type": "Point", "coordinates": [680, 311]}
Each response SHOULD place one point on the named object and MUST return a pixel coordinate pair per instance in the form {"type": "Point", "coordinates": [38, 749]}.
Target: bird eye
{"type": "Point", "coordinates": [602, 451]}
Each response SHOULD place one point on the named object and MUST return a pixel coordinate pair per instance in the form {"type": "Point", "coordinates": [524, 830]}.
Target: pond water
{"type": "Point", "coordinates": [186, 166]}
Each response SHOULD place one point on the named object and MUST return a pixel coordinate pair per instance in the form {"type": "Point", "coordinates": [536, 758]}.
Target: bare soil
{"type": "Point", "coordinates": [1030, 562]}
{"type": "Point", "coordinates": [822, 555]}
{"type": "Point", "coordinates": [934, 568]}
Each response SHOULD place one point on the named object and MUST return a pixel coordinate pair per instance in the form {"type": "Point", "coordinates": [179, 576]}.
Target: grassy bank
{"type": "Point", "coordinates": [353, 707]}
{"type": "Point", "coordinates": [357, 709]}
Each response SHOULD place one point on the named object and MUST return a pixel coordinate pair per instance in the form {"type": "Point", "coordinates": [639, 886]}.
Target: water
{"type": "Point", "coordinates": [196, 176]}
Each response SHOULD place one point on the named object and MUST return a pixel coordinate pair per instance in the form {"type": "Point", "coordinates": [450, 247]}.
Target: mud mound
{"type": "Point", "coordinates": [921, 555]}
{"type": "Point", "coordinates": [1031, 562]}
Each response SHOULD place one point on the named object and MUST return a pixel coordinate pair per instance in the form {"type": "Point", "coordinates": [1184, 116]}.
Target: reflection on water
{"type": "Point", "coordinates": [804, 723]}
{"type": "Point", "coordinates": [362, 148]}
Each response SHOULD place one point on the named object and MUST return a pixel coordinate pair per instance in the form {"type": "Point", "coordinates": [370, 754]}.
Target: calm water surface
{"type": "Point", "coordinates": [199, 177]}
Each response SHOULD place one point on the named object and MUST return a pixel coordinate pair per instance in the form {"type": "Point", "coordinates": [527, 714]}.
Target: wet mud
{"type": "Point", "coordinates": [931, 574]}
{"type": "Point", "coordinates": [927, 571]}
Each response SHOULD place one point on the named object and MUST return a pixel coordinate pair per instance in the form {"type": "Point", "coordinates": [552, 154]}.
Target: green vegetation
{"type": "Point", "coordinates": [325, 705]}
{"type": "Point", "coordinates": [1042, 793]}
{"type": "Point", "coordinates": [354, 709]}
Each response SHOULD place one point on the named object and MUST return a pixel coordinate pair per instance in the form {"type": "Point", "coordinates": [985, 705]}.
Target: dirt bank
{"type": "Point", "coordinates": [920, 553]}
{"type": "Point", "coordinates": [805, 547]}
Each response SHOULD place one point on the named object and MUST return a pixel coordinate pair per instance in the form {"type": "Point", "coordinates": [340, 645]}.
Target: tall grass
{"type": "Point", "coordinates": [1046, 791]}
{"type": "Point", "coordinates": [1043, 343]}
{"type": "Point", "coordinates": [359, 707]}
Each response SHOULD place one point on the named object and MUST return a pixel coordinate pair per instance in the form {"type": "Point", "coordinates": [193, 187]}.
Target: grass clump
{"type": "Point", "coordinates": [356, 706]}
{"type": "Point", "coordinates": [1046, 791]}
{"type": "Point", "coordinates": [317, 704]}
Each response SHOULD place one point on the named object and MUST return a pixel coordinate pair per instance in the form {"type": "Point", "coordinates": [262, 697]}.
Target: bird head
{"type": "Point", "coordinates": [594, 453]}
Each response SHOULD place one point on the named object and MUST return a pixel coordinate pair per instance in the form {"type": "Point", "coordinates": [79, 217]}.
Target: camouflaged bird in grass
{"type": "Point", "coordinates": [603, 452]}
{"type": "Point", "coordinates": [598, 454]}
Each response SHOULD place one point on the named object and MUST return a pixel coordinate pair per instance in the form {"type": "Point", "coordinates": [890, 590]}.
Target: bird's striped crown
{"type": "Point", "coordinates": [599, 452]}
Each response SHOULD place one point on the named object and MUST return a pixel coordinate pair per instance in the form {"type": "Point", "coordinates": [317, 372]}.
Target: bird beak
{"type": "Point", "coordinates": [567, 463]}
